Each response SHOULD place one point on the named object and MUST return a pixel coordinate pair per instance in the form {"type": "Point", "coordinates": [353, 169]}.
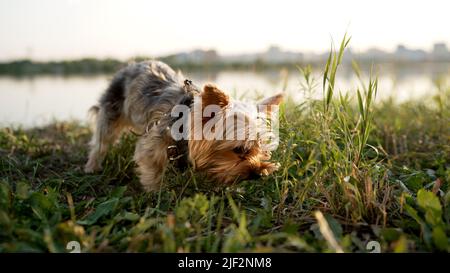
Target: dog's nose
{"type": "Point", "coordinates": [254, 175]}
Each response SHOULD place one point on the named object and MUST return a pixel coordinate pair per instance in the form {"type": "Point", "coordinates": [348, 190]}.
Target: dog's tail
{"type": "Point", "coordinates": [92, 115]}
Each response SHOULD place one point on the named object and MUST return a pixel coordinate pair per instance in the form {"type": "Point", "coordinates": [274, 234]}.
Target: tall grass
{"type": "Point", "coordinates": [339, 163]}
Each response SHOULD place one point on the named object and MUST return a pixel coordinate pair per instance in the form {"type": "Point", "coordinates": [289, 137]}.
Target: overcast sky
{"type": "Point", "coordinates": [59, 29]}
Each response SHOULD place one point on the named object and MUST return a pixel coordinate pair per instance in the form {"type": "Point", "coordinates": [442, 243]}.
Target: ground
{"type": "Point", "coordinates": [352, 171]}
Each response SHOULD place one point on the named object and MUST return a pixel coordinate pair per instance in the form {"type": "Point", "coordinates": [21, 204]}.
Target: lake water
{"type": "Point", "coordinates": [39, 100]}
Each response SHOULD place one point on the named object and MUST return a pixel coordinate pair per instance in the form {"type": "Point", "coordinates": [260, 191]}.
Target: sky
{"type": "Point", "coordinates": [68, 29]}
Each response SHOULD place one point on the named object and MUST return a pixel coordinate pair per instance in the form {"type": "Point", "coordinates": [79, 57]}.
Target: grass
{"type": "Point", "coordinates": [352, 171]}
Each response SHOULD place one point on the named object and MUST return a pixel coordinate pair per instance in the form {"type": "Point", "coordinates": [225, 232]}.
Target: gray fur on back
{"type": "Point", "coordinates": [142, 92]}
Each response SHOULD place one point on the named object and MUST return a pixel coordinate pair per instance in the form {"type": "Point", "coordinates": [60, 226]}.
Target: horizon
{"type": "Point", "coordinates": [52, 29]}
{"type": "Point", "coordinates": [353, 51]}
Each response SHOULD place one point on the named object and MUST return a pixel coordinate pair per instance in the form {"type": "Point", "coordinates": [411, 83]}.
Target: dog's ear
{"type": "Point", "coordinates": [212, 95]}
{"type": "Point", "coordinates": [274, 100]}
{"type": "Point", "coordinates": [270, 104]}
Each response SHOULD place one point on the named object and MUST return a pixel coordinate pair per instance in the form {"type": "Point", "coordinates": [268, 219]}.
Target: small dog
{"type": "Point", "coordinates": [142, 96]}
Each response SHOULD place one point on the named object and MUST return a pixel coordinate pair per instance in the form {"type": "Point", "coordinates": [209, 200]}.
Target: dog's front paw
{"type": "Point", "coordinates": [268, 168]}
{"type": "Point", "coordinates": [91, 167]}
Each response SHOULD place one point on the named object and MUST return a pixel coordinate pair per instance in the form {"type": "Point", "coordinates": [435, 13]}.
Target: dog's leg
{"type": "Point", "coordinates": [107, 130]}
{"type": "Point", "coordinates": [151, 158]}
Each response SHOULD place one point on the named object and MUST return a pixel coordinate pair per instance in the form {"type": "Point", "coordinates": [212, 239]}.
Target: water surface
{"type": "Point", "coordinates": [39, 100]}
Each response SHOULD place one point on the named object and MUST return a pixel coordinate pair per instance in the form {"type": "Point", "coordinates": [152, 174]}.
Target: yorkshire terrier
{"type": "Point", "coordinates": [177, 123]}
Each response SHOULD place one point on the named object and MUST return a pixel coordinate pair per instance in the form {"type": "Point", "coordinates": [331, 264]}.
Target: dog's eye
{"type": "Point", "coordinates": [239, 150]}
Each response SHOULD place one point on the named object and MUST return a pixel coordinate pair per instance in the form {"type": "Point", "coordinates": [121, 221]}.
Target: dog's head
{"type": "Point", "coordinates": [232, 140]}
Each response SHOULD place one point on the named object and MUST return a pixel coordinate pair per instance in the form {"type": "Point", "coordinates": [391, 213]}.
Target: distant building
{"type": "Point", "coordinates": [197, 56]}
{"type": "Point", "coordinates": [440, 52]}
{"type": "Point", "coordinates": [377, 54]}
{"type": "Point", "coordinates": [402, 53]}
{"type": "Point", "coordinates": [240, 58]}
{"type": "Point", "coordinates": [275, 55]}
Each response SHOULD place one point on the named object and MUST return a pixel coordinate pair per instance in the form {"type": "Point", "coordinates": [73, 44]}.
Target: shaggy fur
{"type": "Point", "coordinates": [141, 97]}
